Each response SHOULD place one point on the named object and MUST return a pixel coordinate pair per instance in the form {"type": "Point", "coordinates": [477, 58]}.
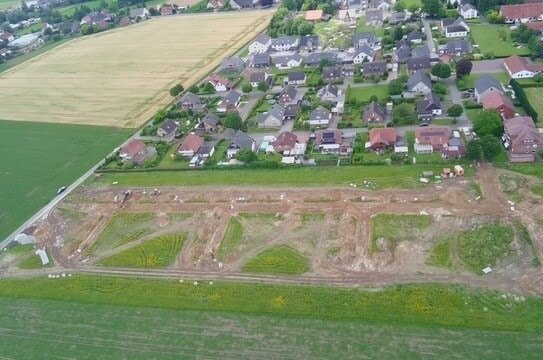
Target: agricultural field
{"type": "Point", "coordinates": [95, 86]}
{"type": "Point", "coordinates": [6, 4]}
{"type": "Point", "coordinates": [488, 39]}
{"type": "Point", "coordinates": [122, 229]}
{"type": "Point", "coordinates": [280, 259]}
{"type": "Point", "coordinates": [535, 96]}
{"type": "Point", "coordinates": [39, 158]}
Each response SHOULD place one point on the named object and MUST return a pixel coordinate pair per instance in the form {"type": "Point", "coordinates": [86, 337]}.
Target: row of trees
{"type": "Point", "coordinates": [525, 35]}
{"type": "Point", "coordinates": [281, 24]}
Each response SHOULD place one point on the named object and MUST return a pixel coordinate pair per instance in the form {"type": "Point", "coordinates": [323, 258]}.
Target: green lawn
{"type": "Point", "coordinates": [232, 238]}
{"type": "Point", "coordinates": [14, 253]}
{"type": "Point", "coordinates": [362, 27]}
{"type": "Point", "coordinates": [363, 94]}
{"type": "Point", "coordinates": [408, 3]}
{"type": "Point", "coordinates": [528, 169]}
{"type": "Point", "coordinates": [123, 228]}
{"type": "Point", "coordinates": [384, 176]}
{"type": "Point", "coordinates": [395, 228]}
{"type": "Point", "coordinates": [22, 58]}
{"type": "Point", "coordinates": [69, 10]}
{"type": "Point", "coordinates": [280, 259]}
{"type": "Point", "coordinates": [484, 246]}
{"type": "Point", "coordinates": [39, 158]}
{"type": "Point", "coordinates": [440, 256]}
{"type": "Point", "coordinates": [108, 331]}
{"type": "Point", "coordinates": [535, 96]}
{"type": "Point", "coordinates": [488, 39]}
{"type": "Point", "coordinates": [159, 252]}
{"type": "Point", "coordinates": [470, 79]}
{"type": "Point", "coordinates": [4, 4]}
{"type": "Point", "coordinates": [34, 262]}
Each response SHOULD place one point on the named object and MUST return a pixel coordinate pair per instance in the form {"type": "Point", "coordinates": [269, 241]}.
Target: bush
{"type": "Point", "coordinates": [176, 90]}
{"type": "Point", "coordinates": [246, 88]}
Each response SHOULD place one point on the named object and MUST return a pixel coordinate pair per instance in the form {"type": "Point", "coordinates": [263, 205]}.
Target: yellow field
{"type": "Point", "coordinates": [122, 77]}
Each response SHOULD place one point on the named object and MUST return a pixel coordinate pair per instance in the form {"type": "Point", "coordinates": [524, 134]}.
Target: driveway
{"type": "Point", "coordinates": [487, 66]}
{"type": "Point", "coordinates": [250, 104]}
{"type": "Point", "coordinates": [429, 38]}
{"type": "Point", "coordinates": [456, 98]}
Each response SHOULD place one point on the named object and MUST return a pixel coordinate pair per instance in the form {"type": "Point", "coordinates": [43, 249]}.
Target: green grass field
{"type": "Point", "coordinates": [440, 256]}
{"type": "Point", "coordinates": [5, 4]}
{"type": "Point", "coordinates": [145, 333]}
{"type": "Point", "coordinates": [363, 94]}
{"type": "Point", "coordinates": [535, 96]}
{"type": "Point", "coordinates": [231, 239]}
{"type": "Point", "coordinates": [396, 228]}
{"type": "Point", "coordinates": [488, 39]}
{"type": "Point", "coordinates": [38, 158]}
{"type": "Point", "coordinates": [470, 79]}
{"type": "Point", "coordinates": [123, 228]}
{"type": "Point", "coordinates": [34, 262]}
{"type": "Point", "coordinates": [280, 259]}
{"type": "Point", "coordinates": [159, 252]}
{"type": "Point", "coordinates": [384, 176]}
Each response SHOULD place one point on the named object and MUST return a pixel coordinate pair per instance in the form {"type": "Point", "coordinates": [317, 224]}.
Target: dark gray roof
{"type": "Point", "coordinates": [277, 111]}
{"type": "Point", "coordinates": [454, 46]}
{"type": "Point", "coordinates": [241, 141]}
{"type": "Point", "coordinates": [421, 51]}
{"type": "Point", "coordinates": [285, 40]}
{"type": "Point", "coordinates": [283, 60]}
{"type": "Point", "coordinates": [169, 126]}
{"type": "Point", "coordinates": [330, 88]}
{"type": "Point", "coordinates": [486, 82]}
{"type": "Point", "coordinates": [309, 40]}
{"type": "Point", "coordinates": [364, 37]}
{"type": "Point", "coordinates": [374, 68]}
{"type": "Point", "coordinates": [403, 52]}
{"type": "Point", "coordinates": [316, 58]}
{"type": "Point", "coordinates": [364, 49]}
{"type": "Point", "coordinates": [262, 59]}
{"type": "Point", "coordinates": [373, 107]}
{"type": "Point", "coordinates": [205, 149]}
{"type": "Point", "coordinates": [296, 76]}
{"type": "Point", "coordinates": [414, 64]}
{"type": "Point", "coordinates": [289, 90]}
{"type": "Point", "coordinates": [234, 62]}
{"type": "Point", "coordinates": [414, 35]}
{"type": "Point", "coordinates": [320, 113]}
{"type": "Point", "coordinates": [428, 103]}
{"type": "Point", "coordinates": [455, 28]}
{"type": "Point", "coordinates": [331, 72]}
{"type": "Point", "coordinates": [292, 110]}
{"type": "Point", "coordinates": [257, 77]}
{"type": "Point", "coordinates": [190, 98]}
{"type": "Point", "coordinates": [467, 7]}
{"type": "Point", "coordinates": [232, 97]}
{"type": "Point", "coordinates": [211, 119]}
{"type": "Point", "coordinates": [418, 77]}
{"type": "Point", "coordinates": [374, 15]}
{"type": "Point", "coordinates": [262, 39]}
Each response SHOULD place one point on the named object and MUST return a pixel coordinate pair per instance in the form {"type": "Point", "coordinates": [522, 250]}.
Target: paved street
{"type": "Point", "coordinates": [429, 38]}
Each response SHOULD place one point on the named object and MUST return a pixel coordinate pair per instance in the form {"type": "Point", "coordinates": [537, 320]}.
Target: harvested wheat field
{"type": "Point", "coordinates": [121, 77]}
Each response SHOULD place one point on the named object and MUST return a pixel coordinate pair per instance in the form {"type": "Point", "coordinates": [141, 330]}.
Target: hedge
{"type": "Point", "coordinates": [523, 99]}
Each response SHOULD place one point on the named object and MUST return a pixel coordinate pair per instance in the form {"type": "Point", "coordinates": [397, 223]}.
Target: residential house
{"type": "Point", "coordinates": [522, 13]}
{"type": "Point", "coordinates": [365, 38]}
{"type": "Point", "coordinates": [139, 13]}
{"type": "Point", "coordinates": [315, 59]}
{"type": "Point", "coordinates": [5, 52]}
{"type": "Point", "coordinates": [191, 101]}
{"type": "Point", "coordinates": [454, 148]}
{"type": "Point", "coordinates": [216, 4]}
{"type": "Point", "coordinates": [6, 36]}
{"type": "Point", "coordinates": [209, 124]}
{"type": "Point", "coordinates": [69, 27]}
{"type": "Point", "coordinates": [286, 141]}
{"type": "Point", "coordinates": [204, 152]}
{"type": "Point", "coordinates": [230, 102]}
{"type": "Point", "coordinates": [537, 26]}
{"type": "Point", "coordinates": [499, 102]}
{"type": "Point", "coordinates": [419, 83]}
{"type": "Point", "coordinates": [521, 68]}
{"type": "Point", "coordinates": [373, 113]}
{"type": "Point", "coordinates": [382, 139]}
{"type": "Point", "coordinates": [260, 45]}
{"type": "Point", "coordinates": [261, 60]}
{"type": "Point", "coordinates": [273, 118]}
{"type": "Point", "coordinates": [285, 43]}
{"type": "Point", "coordinates": [402, 53]}
{"type": "Point", "coordinates": [349, 16]}
{"type": "Point", "coordinates": [332, 74]}
{"type": "Point", "coordinates": [374, 69]}
{"type": "Point", "coordinates": [522, 139]}
{"type": "Point", "coordinates": [99, 19]}
{"type": "Point", "coordinates": [416, 64]}
{"type": "Point", "coordinates": [291, 111]}
{"type": "Point", "coordinates": [167, 130]}
{"type": "Point", "coordinates": [332, 142]}
{"type": "Point", "coordinates": [430, 139]}
{"type": "Point", "coordinates": [190, 145]}
{"type": "Point", "coordinates": [457, 48]}
{"type": "Point", "coordinates": [374, 18]}
{"type": "Point", "coordinates": [137, 152]}
{"type": "Point", "coordinates": [329, 93]}
{"type": "Point", "coordinates": [414, 37]}
{"type": "Point", "coordinates": [314, 15]}
{"type": "Point", "coordinates": [234, 63]}
{"type": "Point", "coordinates": [362, 54]}
{"type": "Point", "coordinates": [397, 18]}
{"type": "Point", "coordinates": [125, 21]}
{"type": "Point", "coordinates": [289, 96]}
{"type": "Point", "coordinates": [320, 117]}
{"type": "Point", "coordinates": [401, 146]}
{"type": "Point", "coordinates": [468, 11]}
{"type": "Point", "coordinates": [486, 85]}
{"type": "Point", "coordinates": [219, 83]}
{"type": "Point", "coordinates": [421, 52]}
{"type": "Point", "coordinates": [428, 107]}
{"type": "Point", "coordinates": [260, 77]}
{"type": "Point", "coordinates": [167, 10]}
{"type": "Point", "coordinates": [287, 61]}
{"type": "Point", "coordinates": [296, 78]}
{"type": "Point", "coordinates": [455, 28]}
{"type": "Point", "coordinates": [383, 5]}
{"type": "Point", "coordinates": [348, 70]}
{"type": "Point", "coordinates": [241, 141]}
{"type": "Point", "coordinates": [309, 43]}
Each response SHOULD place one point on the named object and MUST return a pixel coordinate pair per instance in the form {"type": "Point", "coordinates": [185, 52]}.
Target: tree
{"type": "Point", "coordinates": [463, 67]}
{"type": "Point", "coordinates": [474, 151]}
{"type": "Point", "coordinates": [373, 98]}
{"type": "Point", "coordinates": [488, 123]}
{"type": "Point", "coordinates": [404, 114]}
{"type": "Point", "coordinates": [208, 88]}
{"type": "Point", "coordinates": [398, 33]}
{"type": "Point", "coordinates": [441, 70]}
{"type": "Point", "coordinates": [232, 120]}
{"type": "Point", "coordinates": [439, 88]}
{"type": "Point", "coordinates": [176, 90]}
{"type": "Point", "coordinates": [433, 8]}
{"type": "Point", "coordinates": [396, 87]}
{"type": "Point", "coordinates": [455, 110]}
{"type": "Point", "coordinates": [399, 6]}
{"type": "Point", "coordinates": [491, 145]}
{"type": "Point", "coordinates": [247, 88]}
{"type": "Point", "coordinates": [246, 155]}
{"type": "Point", "coordinates": [413, 8]}
{"type": "Point", "coordinates": [494, 17]}
{"type": "Point", "coordinates": [194, 89]}
{"type": "Point", "coordinates": [263, 86]}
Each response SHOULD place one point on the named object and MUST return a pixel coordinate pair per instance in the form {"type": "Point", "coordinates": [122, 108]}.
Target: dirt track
{"type": "Point", "coordinates": [344, 227]}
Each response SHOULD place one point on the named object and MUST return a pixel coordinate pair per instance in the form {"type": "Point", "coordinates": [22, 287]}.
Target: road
{"type": "Point", "coordinates": [429, 38]}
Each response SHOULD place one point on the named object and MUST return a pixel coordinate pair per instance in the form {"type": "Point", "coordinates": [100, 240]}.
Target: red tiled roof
{"type": "Point", "coordinates": [216, 79]}
{"type": "Point", "coordinates": [285, 140]}
{"type": "Point", "coordinates": [494, 100]}
{"type": "Point", "coordinates": [133, 147]}
{"type": "Point", "coordinates": [520, 129]}
{"type": "Point", "coordinates": [435, 136]}
{"type": "Point", "coordinates": [166, 10]}
{"type": "Point", "coordinates": [522, 11]}
{"type": "Point", "coordinates": [382, 135]}
{"type": "Point", "coordinates": [192, 143]}
{"type": "Point", "coordinates": [537, 25]}
{"type": "Point", "coordinates": [516, 64]}
{"type": "Point", "coordinates": [313, 15]}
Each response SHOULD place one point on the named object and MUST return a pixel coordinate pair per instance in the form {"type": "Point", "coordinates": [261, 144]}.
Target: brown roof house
{"type": "Point", "coordinates": [522, 13]}
{"type": "Point", "coordinates": [190, 146]}
{"type": "Point", "coordinates": [230, 102]}
{"type": "Point", "coordinates": [209, 124]}
{"type": "Point", "coordinates": [499, 102]}
{"type": "Point", "coordinates": [521, 68]}
{"type": "Point", "coordinates": [137, 152]}
{"type": "Point", "coordinates": [373, 113]}
{"type": "Point", "coordinates": [286, 141]}
{"type": "Point", "coordinates": [219, 83]}
{"type": "Point", "coordinates": [522, 139]}
{"type": "Point", "coordinates": [191, 101]}
{"type": "Point", "coordinates": [167, 10]}
{"type": "Point", "coordinates": [430, 139]}
{"type": "Point", "coordinates": [289, 96]}
{"type": "Point", "coordinates": [382, 139]}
